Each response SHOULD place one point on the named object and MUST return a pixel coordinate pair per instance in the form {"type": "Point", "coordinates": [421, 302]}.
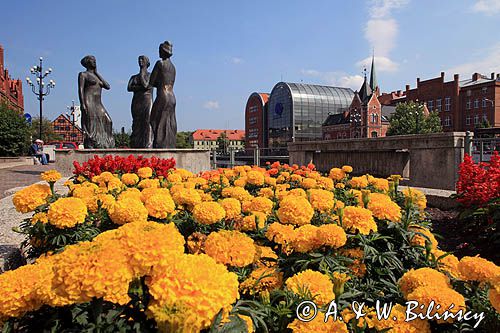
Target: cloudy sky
{"type": "Point", "coordinates": [224, 50]}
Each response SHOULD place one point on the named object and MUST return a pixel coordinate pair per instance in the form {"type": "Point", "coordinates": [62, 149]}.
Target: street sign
{"type": "Point", "coordinates": [27, 117]}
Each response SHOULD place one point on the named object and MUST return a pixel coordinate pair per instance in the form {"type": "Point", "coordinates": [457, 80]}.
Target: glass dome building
{"type": "Point", "coordinates": [296, 111]}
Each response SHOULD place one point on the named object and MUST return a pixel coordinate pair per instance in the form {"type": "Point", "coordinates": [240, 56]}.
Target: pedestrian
{"type": "Point", "coordinates": [36, 150]}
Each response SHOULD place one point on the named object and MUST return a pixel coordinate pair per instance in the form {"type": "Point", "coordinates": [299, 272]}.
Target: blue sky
{"type": "Point", "coordinates": [225, 50]}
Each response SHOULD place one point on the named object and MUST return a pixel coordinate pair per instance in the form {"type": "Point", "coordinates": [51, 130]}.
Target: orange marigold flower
{"type": "Point", "coordinates": [128, 210]}
{"type": "Point", "coordinates": [295, 210]}
{"type": "Point", "coordinates": [67, 212]}
{"type": "Point", "coordinates": [130, 179]}
{"type": "Point", "coordinates": [260, 204]}
{"type": "Point", "coordinates": [312, 285]}
{"type": "Point", "coordinates": [231, 248]}
{"type": "Point", "coordinates": [305, 238]}
{"type": "Point", "coordinates": [494, 297]}
{"type": "Point", "coordinates": [397, 322]}
{"type": "Point", "coordinates": [478, 269]}
{"type": "Point", "coordinates": [448, 263]}
{"type": "Point", "coordinates": [145, 172]}
{"type": "Point", "coordinates": [331, 235]}
{"type": "Point", "coordinates": [321, 200]}
{"type": "Point", "coordinates": [255, 178]}
{"type": "Point", "coordinates": [50, 176]}
{"type": "Point", "coordinates": [236, 192]}
{"type": "Point", "coordinates": [347, 168]}
{"type": "Point", "coordinates": [383, 207]}
{"type": "Point", "coordinates": [358, 219]}
{"type": "Point", "coordinates": [160, 205]}
{"type": "Point", "coordinates": [262, 279]}
{"type": "Point", "coordinates": [318, 325]}
{"type": "Point", "coordinates": [422, 277]}
{"type": "Point", "coordinates": [419, 240]}
{"type": "Point", "coordinates": [29, 198]}
{"type": "Point", "coordinates": [359, 182]}
{"type": "Point", "coordinates": [440, 295]}
{"type": "Point", "coordinates": [208, 212]}
{"type": "Point", "coordinates": [232, 207]}
{"type": "Point", "coordinates": [336, 174]}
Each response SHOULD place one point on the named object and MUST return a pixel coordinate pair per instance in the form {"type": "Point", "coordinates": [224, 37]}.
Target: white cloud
{"type": "Point", "coordinates": [488, 7]}
{"type": "Point", "coordinates": [382, 64]}
{"type": "Point", "coordinates": [236, 60]}
{"type": "Point", "coordinates": [383, 8]}
{"type": "Point", "coordinates": [486, 64]}
{"type": "Point", "coordinates": [211, 105]}
{"type": "Point", "coordinates": [338, 79]}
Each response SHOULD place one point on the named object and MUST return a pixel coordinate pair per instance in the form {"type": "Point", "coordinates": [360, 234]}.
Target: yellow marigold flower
{"type": "Point", "coordinates": [260, 204]}
{"type": "Point", "coordinates": [50, 176]}
{"type": "Point", "coordinates": [196, 243]}
{"type": "Point", "coordinates": [106, 176]}
{"type": "Point", "coordinates": [160, 205]}
{"type": "Point", "coordinates": [321, 200]}
{"type": "Point", "coordinates": [295, 210]}
{"type": "Point", "coordinates": [208, 212]}
{"type": "Point", "coordinates": [331, 235]}
{"type": "Point", "coordinates": [205, 196]}
{"type": "Point", "coordinates": [29, 198]}
{"type": "Point", "coordinates": [358, 219]}
{"type": "Point", "coordinates": [325, 183]}
{"type": "Point", "coordinates": [132, 193]}
{"type": "Point", "coordinates": [305, 239]}
{"type": "Point", "coordinates": [266, 192]}
{"type": "Point", "coordinates": [440, 295]}
{"type": "Point", "coordinates": [318, 325]}
{"type": "Point", "coordinates": [359, 182]}
{"type": "Point", "coordinates": [240, 182]}
{"type": "Point", "coordinates": [236, 192]}
{"type": "Point", "coordinates": [186, 197]}
{"type": "Point", "coordinates": [308, 183]}
{"type": "Point", "coordinates": [174, 178]}
{"type": "Point", "coordinates": [251, 222]}
{"type": "Point", "coordinates": [336, 174]}
{"type": "Point", "coordinates": [422, 277]}
{"type": "Point", "coordinates": [380, 184]}
{"type": "Point", "coordinates": [270, 181]}
{"type": "Point", "coordinates": [347, 168]}
{"type": "Point", "coordinates": [67, 212]}
{"type": "Point", "coordinates": [262, 279]}
{"type": "Point", "coordinates": [296, 178]}
{"type": "Point", "coordinates": [130, 179]}
{"type": "Point", "coordinates": [232, 207]}
{"type": "Point", "coordinates": [415, 197]}
{"type": "Point", "coordinates": [419, 240]}
{"type": "Point", "coordinates": [367, 321]}
{"type": "Point", "coordinates": [383, 207]}
{"type": "Point", "coordinates": [296, 192]}
{"type": "Point", "coordinates": [255, 178]}
{"type": "Point", "coordinates": [280, 234]}
{"type": "Point", "coordinates": [312, 284]}
{"type": "Point", "coordinates": [128, 210]}
{"type": "Point", "coordinates": [185, 174]}
{"type": "Point", "coordinates": [357, 267]}
{"type": "Point", "coordinates": [231, 248]}
{"type": "Point", "coordinates": [265, 256]}
{"type": "Point", "coordinates": [358, 195]}
{"type": "Point", "coordinates": [106, 201]}
{"type": "Point", "coordinates": [494, 297]}
{"type": "Point", "coordinates": [478, 269]}
{"type": "Point", "coordinates": [147, 183]}
{"type": "Point", "coordinates": [395, 178]}
{"type": "Point", "coordinates": [339, 280]}
{"type": "Point", "coordinates": [448, 263]}
{"type": "Point", "coordinates": [40, 217]}
{"type": "Point", "coordinates": [397, 323]}
{"type": "Point", "coordinates": [187, 293]}
{"type": "Point", "coordinates": [145, 172]}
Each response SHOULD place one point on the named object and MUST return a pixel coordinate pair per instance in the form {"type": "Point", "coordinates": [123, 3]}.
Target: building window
{"type": "Point", "coordinates": [485, 117]}
{"type": "Point", "coordinates": [374, 134]}
{"type": "Point", "coordinates": [485, 90]}
{"type": "Point", "coordinates": [438, 105]}
{"type": "Point", "coordinates": [476, 119]}
{"type": "Point", "coordinates": [468, 105]}
{"type": "Point", "coordinates": [374, 118]}
{"type": "Point", "coordinates": [60, 120]}
{"type": "Point", "coordinates": [447, 103]}
{"type": "Point", "coordinates": [469, 93]}
{"type": "Point", "coordinates": [447, 121]}
{"type": "Point", "coordinates": [476, 103]}
{"type": "Point", "coordinates": [467, 120]}
{"type": "Point", "coordinates": [430, 105]}
{"type": "Point", "coordinates": [484, 102]}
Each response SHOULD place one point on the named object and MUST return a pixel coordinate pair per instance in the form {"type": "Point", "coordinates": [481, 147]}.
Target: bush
{"type": "Point", "coordinates": [14, 132]}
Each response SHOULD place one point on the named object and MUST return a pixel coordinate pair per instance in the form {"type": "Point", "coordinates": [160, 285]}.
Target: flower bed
{"type": "Point", "coordinates": [237, 250]}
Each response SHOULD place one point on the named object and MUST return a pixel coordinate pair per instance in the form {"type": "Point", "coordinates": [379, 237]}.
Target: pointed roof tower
{"type": "Point", "coordinates": [373, 75]}
{"type": "Point", "coordinates": [365, 91]}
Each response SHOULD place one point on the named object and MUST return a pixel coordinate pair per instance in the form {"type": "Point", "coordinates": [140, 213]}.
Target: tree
{"type": "Point", "coordinates": [223, 143]}
{"type": "Point", "coordinates": [122, 138]}
{"type": "Point", "coordinates": [48, 133]}
{"type": "Point", "coordinates": [183, 140]}
{"type": "Point", "coordinates": [409, 118]}
{"type": "Point", "coordinates": [14, 132]}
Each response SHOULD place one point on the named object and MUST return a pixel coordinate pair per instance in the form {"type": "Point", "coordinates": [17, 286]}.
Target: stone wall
{"type": "Point", "coordinates": [429, 160]}
{"type": "Point", "coordinates": [189, 159]}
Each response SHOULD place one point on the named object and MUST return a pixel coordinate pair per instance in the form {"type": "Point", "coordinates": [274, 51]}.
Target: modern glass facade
{"type": "Point", "coordinates": [296, 111]}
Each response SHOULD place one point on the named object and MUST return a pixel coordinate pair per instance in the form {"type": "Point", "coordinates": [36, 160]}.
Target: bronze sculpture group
{"type": "Point", "coordinates": [153, 123]}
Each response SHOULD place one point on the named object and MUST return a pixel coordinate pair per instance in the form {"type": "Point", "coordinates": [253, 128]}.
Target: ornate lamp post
{"type": "Point", "coordinates": [40, 90]}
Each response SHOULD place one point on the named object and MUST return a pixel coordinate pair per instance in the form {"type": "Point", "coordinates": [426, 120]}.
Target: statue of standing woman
{"type": "Point", "coordinates": [141, 106]}
{"type": "Point", "coordinates": [163, 121]}
{"type": "Point", "coordinates": [96, 123]}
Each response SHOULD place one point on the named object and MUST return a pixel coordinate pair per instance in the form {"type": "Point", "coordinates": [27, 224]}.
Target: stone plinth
{"type": "Point", "coordinates": [428, 160]}
{"type": "Point", "coordinates": [190, 159]}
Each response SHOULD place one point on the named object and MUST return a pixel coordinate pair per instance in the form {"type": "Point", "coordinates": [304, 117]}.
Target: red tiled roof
{"type": "Point", "coordinates": [211, 134]}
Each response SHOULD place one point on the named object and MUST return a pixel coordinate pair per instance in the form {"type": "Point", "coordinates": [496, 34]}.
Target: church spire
{"type": "Point", "coordinates": [373, 75]}
{"type": "Point", "coordinates": [365, 91]}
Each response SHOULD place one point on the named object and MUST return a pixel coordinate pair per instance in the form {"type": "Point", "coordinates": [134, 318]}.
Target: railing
{"type": "Point", "coordinates": [481, 149]}
{"type": "Point", "coordinates": [249, 156]}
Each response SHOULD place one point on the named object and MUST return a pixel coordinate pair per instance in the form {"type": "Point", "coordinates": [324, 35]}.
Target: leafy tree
{"type": "Point", "coordinates": [223, 143]}
{"type": "Point", "coordinates": [409, 118]}
{"type": "Point", "coordinates": [122, 138]}
{"type": "Point", "coordinates": [14, 132]}
{"type": "Point", "coordinates": [48, 133]}
{"type": "Point", "coordinates": [183, 140]}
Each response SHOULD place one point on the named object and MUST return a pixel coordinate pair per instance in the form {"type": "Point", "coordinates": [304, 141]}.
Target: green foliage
{"type": "Point", "coordinates": [223, 143]}
{"type": "Point", "coordinates": [14, 132]}
{"type": "Point", "coordinates": [48, 133]}
{"type": "Point", "coordinates": [122, 139]}
{"type": "Point", "coordinates": [409, 118]}
{"type": "Point", "coordinates": [183, 140]}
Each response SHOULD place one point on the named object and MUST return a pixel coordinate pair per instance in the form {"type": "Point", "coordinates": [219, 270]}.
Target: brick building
{"type": "Point", "coordinates": [206, 139]}
{"type": "Point", "coordinates": [64, 127]}
{"type": "Point", "coordinates": [256, 119]}
{"type": "Point", "coordinates": [11, 91]}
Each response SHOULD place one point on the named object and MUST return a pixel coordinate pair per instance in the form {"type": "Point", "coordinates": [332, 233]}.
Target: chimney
{"type": "Point", "coordinates": [455, 77]}
{"type": "Point", "coordinates": [442, 75]}
{"type": "Point", "coordinates": [399, 93]}
{"type": "Point", "coordinates": [493, 75]}
{"type": "Point", "coordinates": [407, 87]}
{"type": "Point", "coordinates": [476, 76]}
{"type": "Point", "coordinates": [418, 81]}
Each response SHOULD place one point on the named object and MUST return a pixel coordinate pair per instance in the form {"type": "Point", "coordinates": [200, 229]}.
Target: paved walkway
{"type": "Point", "coordinates": [22, 175]}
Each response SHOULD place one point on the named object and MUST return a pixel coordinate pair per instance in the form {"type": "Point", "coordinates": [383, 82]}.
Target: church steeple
{"type": "Point", "coordinates": [365, 91]}
{"type": "Point", "coordinates": [373, 75]}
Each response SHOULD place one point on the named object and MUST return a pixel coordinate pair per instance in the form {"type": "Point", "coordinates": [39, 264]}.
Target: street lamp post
{"type": "Point", "coordinates": [40, 90]}
{"type": "Point", "coordinates": [73, 117]}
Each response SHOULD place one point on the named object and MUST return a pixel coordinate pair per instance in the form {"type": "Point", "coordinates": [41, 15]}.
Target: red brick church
{"type": "Point", "coordinates": [11, 91]}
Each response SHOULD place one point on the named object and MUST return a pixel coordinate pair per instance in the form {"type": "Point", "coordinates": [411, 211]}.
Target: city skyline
{"type": "Point", "coordinates": [225, 51]}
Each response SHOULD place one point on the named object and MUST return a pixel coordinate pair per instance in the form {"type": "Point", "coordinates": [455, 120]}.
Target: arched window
{"type": "Point", "coordinates": [374, 134]}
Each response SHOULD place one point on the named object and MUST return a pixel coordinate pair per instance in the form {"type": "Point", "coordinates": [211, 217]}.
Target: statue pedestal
{"type": "Point", "coordinates": [193, 160]}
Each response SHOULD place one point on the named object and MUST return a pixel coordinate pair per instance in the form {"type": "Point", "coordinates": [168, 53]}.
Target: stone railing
{"type": "Point", "coordinates": [427, 160]}
{"type": "Point", "coordinates": [190, 159]}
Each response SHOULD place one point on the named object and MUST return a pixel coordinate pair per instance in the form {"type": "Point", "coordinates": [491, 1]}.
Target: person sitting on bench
{"type": "Point", "coordinates": [36, 150]}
